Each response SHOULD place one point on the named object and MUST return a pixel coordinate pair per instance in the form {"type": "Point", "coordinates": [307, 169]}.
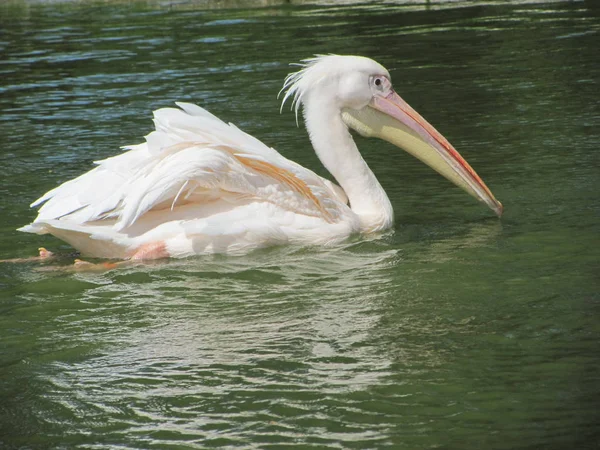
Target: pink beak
{"type": "Point", "coordinates": [441, 155]}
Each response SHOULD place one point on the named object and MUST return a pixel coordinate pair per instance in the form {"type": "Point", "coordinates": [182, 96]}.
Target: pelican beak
{"type": "Point", "coordinates": [392, 119]}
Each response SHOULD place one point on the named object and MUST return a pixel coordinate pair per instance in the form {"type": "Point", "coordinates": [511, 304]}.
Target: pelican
{"type": "Point", "coordinates": [200, 186]}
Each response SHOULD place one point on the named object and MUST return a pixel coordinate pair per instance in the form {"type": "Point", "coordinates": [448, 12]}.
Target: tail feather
{"type": "Point", "coordinates": [93, 241]}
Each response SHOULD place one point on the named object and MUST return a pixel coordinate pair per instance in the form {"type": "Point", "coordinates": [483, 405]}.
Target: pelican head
{"type": "Point", "coordinates": [360, 90]}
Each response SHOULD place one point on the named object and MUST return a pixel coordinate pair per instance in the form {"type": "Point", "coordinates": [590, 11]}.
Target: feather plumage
{"type": "Point", "coordinates": [193, 168]}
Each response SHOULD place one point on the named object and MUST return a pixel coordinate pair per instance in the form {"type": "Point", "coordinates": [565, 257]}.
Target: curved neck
{"type": "Point", "coordinates": [338, 153]}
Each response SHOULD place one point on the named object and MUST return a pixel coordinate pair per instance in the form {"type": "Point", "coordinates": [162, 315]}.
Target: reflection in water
{"type": "Point", "coordinates": [481, 235]}
{"type": "Point", "coordinates": [281, 328]}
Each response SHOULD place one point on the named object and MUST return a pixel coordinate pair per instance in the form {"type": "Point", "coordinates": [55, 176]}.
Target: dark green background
{"type": "Point", "coordinates": [458, 331]}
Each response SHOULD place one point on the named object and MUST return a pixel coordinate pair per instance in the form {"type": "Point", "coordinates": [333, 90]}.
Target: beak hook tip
{"type": "Point", "coordinates": [499, 210]}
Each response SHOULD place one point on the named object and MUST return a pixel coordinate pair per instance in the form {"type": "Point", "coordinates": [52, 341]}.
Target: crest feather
{"type": "Point", "coordinates": [296, 83]}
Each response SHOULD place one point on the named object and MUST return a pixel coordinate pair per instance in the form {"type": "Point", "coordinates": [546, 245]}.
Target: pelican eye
{"type": "Point", "coordinates": [378, 82]}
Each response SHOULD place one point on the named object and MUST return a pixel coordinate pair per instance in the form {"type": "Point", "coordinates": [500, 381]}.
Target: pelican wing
{"type": "Point", "coordinates": [192, 157]}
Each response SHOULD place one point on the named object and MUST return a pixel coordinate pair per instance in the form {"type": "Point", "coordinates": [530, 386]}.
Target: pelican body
{"type": "Point", "coordinates": [200, 186]}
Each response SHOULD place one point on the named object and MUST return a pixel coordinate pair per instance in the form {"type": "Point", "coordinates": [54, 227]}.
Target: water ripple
{"type": "Point", "coordinates": [456, 328]}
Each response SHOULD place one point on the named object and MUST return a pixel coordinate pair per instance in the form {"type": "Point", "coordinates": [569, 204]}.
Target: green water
{"type": "Point", "coordinates": [458, 331]}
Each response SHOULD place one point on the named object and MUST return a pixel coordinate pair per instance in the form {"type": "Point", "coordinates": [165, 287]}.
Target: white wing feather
{"type": "Point", "coordinates": [191, 157]}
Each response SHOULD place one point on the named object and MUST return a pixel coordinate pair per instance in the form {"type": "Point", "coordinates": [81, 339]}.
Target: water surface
{"type": "Point", "coordinates": [458, 330]}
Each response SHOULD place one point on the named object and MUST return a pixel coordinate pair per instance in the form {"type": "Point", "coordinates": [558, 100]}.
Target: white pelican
{"type": "Point", "coordinates": [199, 185]}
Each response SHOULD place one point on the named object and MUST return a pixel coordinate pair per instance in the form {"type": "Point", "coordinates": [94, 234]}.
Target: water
{"type": "Point", "coordinates": [456, 331]}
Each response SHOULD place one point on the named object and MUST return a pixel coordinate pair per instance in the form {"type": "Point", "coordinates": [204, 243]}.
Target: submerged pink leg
{"type": "Point", "coordinates": [146, 252]}
{"type": "Point", "coordinates": [151, 250]}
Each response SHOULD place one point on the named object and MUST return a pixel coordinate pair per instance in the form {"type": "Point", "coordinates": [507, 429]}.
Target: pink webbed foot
{"type": "Point", "coordinates": [44, 255]}
{"type": "Point", "coordinates": [85, 266]}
